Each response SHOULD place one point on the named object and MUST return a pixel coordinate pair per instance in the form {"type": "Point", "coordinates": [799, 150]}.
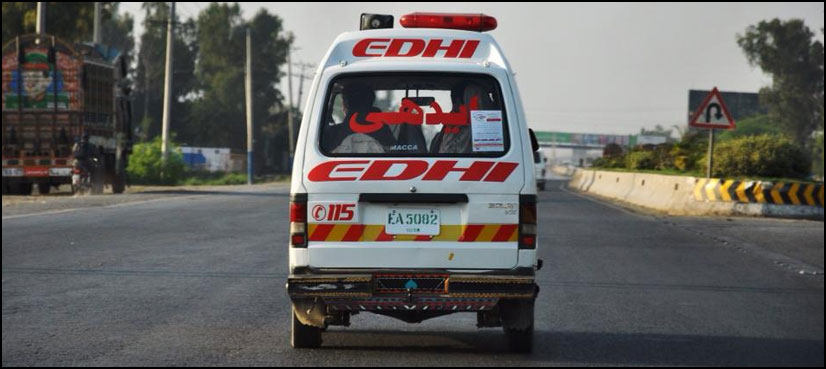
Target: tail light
{"type": "Point", "coordinates": [467, 22]}
{"type": "Point", "coordinates": [527, 222]}
{"type": "Point", "coordinates": [298, 220]}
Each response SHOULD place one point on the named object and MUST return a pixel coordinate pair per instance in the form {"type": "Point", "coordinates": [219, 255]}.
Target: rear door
{"type": "Point", "coordinates": [414, 171]}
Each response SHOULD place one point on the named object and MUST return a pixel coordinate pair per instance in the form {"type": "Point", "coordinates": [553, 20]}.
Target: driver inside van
{"type": "Point", "coordinates": [460, 142]}
{"type": "Point", "coordinates": [357, 98]}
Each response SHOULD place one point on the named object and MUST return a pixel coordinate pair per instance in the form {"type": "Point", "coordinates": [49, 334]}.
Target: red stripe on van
{"type": "Point", "coordinates": [471, 232]}
{"type": "Point", "coordinates": [321, 232]}
{"type": "Point", "coordinates": [384, 236]}
{"type": "Point", "coordinates": [354, 233]}
{"type": "Point", "coordinates": [504, 233]}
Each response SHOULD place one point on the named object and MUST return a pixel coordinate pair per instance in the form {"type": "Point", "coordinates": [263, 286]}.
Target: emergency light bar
{"type": "Point", "coordinates": [467, 22]}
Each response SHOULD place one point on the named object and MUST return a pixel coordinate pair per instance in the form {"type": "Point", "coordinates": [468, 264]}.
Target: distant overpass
{"type": "Point", "coordinates": [582, 141]}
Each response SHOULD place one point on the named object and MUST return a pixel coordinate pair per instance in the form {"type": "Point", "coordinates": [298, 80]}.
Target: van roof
{"type": "Point", "coordinates": [415, 45]}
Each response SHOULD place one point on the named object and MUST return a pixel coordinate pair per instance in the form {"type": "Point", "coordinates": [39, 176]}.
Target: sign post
{"type": "Point", "coordinates": [712, 114]}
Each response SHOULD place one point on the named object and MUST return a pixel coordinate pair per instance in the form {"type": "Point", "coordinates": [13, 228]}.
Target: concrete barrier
{"type": "Point", "coordinates": [678, 195]}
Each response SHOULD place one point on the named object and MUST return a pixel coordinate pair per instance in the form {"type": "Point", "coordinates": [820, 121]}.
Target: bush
{"type": "Point", "coordinates": [609, 163]}
{"type": "Point", "coordinates": [644, 159]}
{"type": "Point", "coordinates": [146, 164]}
{"type": "Point", "coordinates": [214, 179]}
{"type": "Point", "coordinates": [765, 155]}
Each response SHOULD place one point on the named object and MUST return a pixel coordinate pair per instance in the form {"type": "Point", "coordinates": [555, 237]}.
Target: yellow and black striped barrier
{"type": "Point", "coordinates": [758, 192]}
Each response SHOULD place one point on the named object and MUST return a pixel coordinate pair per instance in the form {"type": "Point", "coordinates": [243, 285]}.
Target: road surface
{"type": "Point", "coordinates": [197, 278]}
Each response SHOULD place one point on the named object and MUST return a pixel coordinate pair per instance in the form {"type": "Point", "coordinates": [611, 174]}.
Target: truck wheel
{"type": "Point", "coordinates": [517, 321]}
{"type": "Point", "coordinates": [44, 188]}
{"type": "Point", "coordinates": [119, 181]}
{"type": "Point", "coordinates": [304, 336]}
{"type": "Point", "coordinates": [97, 178]}
{"type": "Point", "coordinates": [24, 189]}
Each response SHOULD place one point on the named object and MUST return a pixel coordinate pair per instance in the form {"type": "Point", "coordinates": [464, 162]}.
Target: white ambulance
{"type": "Point", "coordinates": [413, 191]}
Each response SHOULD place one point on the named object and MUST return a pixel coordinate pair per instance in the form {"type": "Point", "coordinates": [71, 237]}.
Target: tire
{"type": "Point", "coordinates": [304, 336]}
{"type": "Point", "coordinates": [520, 340]}
{"type": "Point", "coordinates": [24, 189]}
{"type": "Point", "coordinates": [517, 322]}
{"type": "Point", "coordinates": [44, 188]}
{"type": "Point", "coordinates": [119, 177]}
{"type": "Point", "coordinates": [119, 183]}
{"type": "Point", "coordinates": [98, 175]}
{"type": "Point", "coordinates": [541, 186]}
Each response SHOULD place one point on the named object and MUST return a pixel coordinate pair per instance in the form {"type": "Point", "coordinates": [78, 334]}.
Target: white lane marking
{"type": "Point", "coordinates": [140, 202]}
{"type": "Point", "coordinates": [110, 206]}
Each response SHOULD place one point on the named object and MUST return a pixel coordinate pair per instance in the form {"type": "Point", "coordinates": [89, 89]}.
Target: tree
{"type": "Point", "coordinates": [788, 52]}
{"type": "Point", "coordinates": [149, 79]}
{"type": "Point", "coordinates": [71, 22]}
{"type": "Point", "coordinates": [219, 111]}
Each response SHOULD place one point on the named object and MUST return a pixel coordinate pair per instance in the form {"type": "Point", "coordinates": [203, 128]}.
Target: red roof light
{"type": "Point", "coordinates": [467, 22]}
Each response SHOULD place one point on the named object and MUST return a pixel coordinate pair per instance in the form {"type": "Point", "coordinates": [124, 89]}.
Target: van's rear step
{"type": "Point", "coordinates": [442, 286]}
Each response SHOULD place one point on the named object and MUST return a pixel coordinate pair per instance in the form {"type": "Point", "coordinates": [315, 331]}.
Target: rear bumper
{"type": "Point", "coordinates": [428, 286]}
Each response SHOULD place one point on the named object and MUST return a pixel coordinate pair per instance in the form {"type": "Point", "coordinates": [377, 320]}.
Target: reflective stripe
{"type": "Point", "coordinates": [447, 232]}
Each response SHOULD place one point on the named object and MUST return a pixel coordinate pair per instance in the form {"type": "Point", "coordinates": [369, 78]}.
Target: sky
{"type": "Point", "coordinates": [583, 68]}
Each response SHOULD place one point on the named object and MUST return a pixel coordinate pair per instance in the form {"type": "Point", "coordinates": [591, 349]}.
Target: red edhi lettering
{"type": "Point", "coordinates": [410, 47]}
{"type": "Point", "coordinates": [486, 171]}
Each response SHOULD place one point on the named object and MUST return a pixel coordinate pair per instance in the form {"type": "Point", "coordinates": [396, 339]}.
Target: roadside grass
{"type": "Point", "coordinates": [227, 179]}
{"type": "Point", "coordinates": [698, 174]}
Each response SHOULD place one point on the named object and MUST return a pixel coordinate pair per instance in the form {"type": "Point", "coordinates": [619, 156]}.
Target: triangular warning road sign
{"type": "Point", "coordinates": [712, 113]}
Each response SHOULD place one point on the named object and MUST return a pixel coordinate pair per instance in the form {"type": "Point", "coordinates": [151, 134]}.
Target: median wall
{"type": "Point", "coordinates": [678, 195]}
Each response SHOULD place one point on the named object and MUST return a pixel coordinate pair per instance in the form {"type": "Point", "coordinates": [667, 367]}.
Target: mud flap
{"type": "Point", "coordinates": [311, 312]}
{"type": "Point", "coordinates": [516, 314]}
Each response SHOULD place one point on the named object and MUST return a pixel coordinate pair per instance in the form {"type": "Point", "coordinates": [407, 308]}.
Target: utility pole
{"type": "Point", "coordinates": [167, 89]}
{"type": "Point", "coordinates": [301, 78]}
{"type": "Point", "coordinates": [96, 30]}
{"type": "Point", "coordinates": [248, 80]}
{"type": "Point", "coordinates": [290, 101]}
{"type": "Point", "coordinates": [41, 18]}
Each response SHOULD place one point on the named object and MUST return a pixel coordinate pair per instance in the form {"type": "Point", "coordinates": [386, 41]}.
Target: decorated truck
{"type": "Point", "coordinates": [54, 94]}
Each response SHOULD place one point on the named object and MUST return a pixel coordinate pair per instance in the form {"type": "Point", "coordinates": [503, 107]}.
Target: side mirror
{"type": "Point", "coordinates": [534, 141]}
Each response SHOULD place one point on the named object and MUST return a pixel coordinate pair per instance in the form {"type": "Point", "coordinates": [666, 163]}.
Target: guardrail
{"type": "Point", "coordinates": [678, 195]}
{"type": "Point", "coordinates": [759, 192]}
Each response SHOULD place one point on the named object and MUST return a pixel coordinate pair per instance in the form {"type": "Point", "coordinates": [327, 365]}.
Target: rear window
{"type": "Point", "coordinates": [410, 115]}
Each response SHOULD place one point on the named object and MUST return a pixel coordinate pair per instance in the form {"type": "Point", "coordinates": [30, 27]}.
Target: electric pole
{"type": "Point", "coordinates": [248, 87]}
{"type": "Point", "coordinates": [96, 30]}
{"type": "Point", "coordinates": [41, 18]}
{"type": "Point", "coordinates": [167, 89]}
{"type": "Point", "coordinates": [290, 101]}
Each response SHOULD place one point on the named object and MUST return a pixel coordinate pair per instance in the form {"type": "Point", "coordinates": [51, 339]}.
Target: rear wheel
{"type": "Point", "coordinates": [24, 189]}
{"type": "Point", "coordinates": [304, 336]}
{"type": "Point", "coordinates": [98, 174]}
{"type": "Point", "coordinates": [44, 188]}
{"type": "Point", "coordinates": [119, 177]}
{"type": "Point", "coordinates": [517, 321]}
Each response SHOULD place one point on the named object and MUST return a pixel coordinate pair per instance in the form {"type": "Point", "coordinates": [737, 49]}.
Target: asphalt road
{"type": "Point", "coordinates": [198, 279]}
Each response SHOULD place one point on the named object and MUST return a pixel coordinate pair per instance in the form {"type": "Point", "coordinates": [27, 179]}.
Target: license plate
{"type": "Point", "coordinates": [413, 221]}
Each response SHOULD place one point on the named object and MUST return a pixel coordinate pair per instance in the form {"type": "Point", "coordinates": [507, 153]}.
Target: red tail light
{"type": "Point", "coordinates": [527, 222]}
{"type": "Point", "coordinates": [298, 212]}
{"type": "Point", "coordinates": [467, 22]}
{"type": "Point", "coordinates": [298, 220]}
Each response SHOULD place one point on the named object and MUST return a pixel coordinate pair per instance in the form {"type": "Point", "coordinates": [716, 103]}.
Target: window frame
{"type": "Point", "coordinates": [484, 154]}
